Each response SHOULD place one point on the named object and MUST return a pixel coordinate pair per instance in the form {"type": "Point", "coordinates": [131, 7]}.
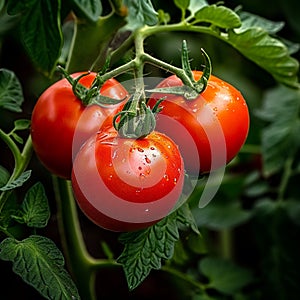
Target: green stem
{"type": "Point", "coordinates": [184, 277]}
{"type": "Point", "coordinates": [147, 31]}
{"type": "Point", "coordinates": [21, 161]}
{"type": "Point", "coordinates": [226, 241]}
{"type": "Point", "coordinates": [120, 51]}
{"type": "Point", "coordinates": [82, 265]}
{"type": "Point", "coordinates": [75, 251]}
{"type": "Point", "coordinates": [13, 148]}
{"type": "Point", "coordinates": [287, 172]}
{"type": "Point", "coordinates": [165, 66]}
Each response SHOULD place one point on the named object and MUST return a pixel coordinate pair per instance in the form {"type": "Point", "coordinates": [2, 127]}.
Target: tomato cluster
{"type": "Point", "coordinates": [125, 184]}
{"type": "Point", "coordinates": [61, 123]}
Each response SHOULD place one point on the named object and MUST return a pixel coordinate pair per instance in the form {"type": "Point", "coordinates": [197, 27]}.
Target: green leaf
{"type": "Point", "coordinates": [40, 31]}
{"type": "Point", "coordinates": [163, 17]}
{"type": "Point", "coordinates": [267, 52]}
{"type": "Point", "coordinates": [225, 276]}
{"type": "Point", "coordinates": [4, 176]}
{"type": "Point", "coordinates": [15, 6]}
{"type": "Point", "coordinates": [219, 16]}
{"type": "Point", "coordinates": [7, 22]}
{"type": "Point", "coordinates": [196, 5]}
{"type": "Point", "coordinates": [140, 13]}
{"type": "Point", "coordinates": [18, 182]}
{"type": "Point", "coordinates": [280, 139]}
{"type": "Point", "coordinates": [182, 4]}
{"type": "Point", "coordinates": [22, 124]}
{"type": "Point", "coordinates": [144, 250]}
{"type": "Point", "coordinates": [219, 215]}
{"type": "Point", "coordinates": [40, 263]}
{"type": "Point", "coordinates": [93, 55]}
{"type": "Point", "coordinates": [186, 218]}
{"type": "Point", "coordinates": [35, 211]}
{"type": "Point", "coordinates": [11, 93]}
{"type": "Point", "coordinates": [278, 249]}
{"type": "Point", "coordinates": [91, 9]}
{"type": "Point", "coordinates": [251, 21]}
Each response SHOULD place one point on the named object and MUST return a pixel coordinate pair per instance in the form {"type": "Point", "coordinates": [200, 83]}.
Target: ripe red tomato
{"type": "Point", "coordinates": [124, 184]}
{"type": "Point", "coordinates": [209, 130]}
{"type": "Point", "coordinates": [60, 122]}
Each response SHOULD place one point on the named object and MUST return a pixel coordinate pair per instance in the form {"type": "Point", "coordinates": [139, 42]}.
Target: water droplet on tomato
{"type": "Point", "coordinates": [114, 155]}
{"type": "Point", "coordinates": [148, 161]}
{"type": "Point", "coordinates": [166, 177]}
{"type": "Point", "coordinates": [140, 149]}
{"type": "Point", "coordinates": [137, 192]}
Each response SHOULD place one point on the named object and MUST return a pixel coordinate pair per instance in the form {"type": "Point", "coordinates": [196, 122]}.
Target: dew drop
{"type": "Point", "coordinates": [166, 177]}
{"type": "Point", "coordinates": [148, 161]}
{"type": "Point", "coordinates": [152, 148]}
{"type": "Point", "coordinates": [140, 149]}
{"type": "Point", "coordinates": [215, 109]}
{"type": "Point", "coordinates": [114, 155]}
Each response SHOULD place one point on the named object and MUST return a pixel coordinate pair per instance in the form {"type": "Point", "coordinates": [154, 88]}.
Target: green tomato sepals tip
{"type": "Point", "coordinates": [191, 88]}
{"type": "Point", "coordinates": [91, 95]}
{"type": "Point", "coordinates": [137, 119]}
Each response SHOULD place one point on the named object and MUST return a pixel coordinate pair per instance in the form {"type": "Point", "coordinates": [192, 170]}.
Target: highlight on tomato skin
{"type": "Point", "coordinates": [61, 123]}
{"type": "Point", "coordinates": [126, 184]}
{"type": "Point", "coordinates": [217, 120]}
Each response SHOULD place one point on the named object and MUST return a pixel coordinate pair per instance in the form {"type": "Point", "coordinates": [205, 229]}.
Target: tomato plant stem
{"type": "Point", "coordinates": [21, 161]}
{"type": "Point", "coordinates": [78, 259]}
{"type": "Point", "coordinates": [183, 276]}
{"type": "Point", "coordinates": [226, 243]}
{"type": "Point", "coordinates": [82, 265]}
{"type": "Point", "coordinates": [287, 172]}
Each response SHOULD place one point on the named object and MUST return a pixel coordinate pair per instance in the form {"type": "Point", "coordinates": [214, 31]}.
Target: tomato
{"type": "Point", "coordinates": [209, 130]}
{"type": "Point", "coordinates": [124, 184]}
{"type": "Point", "coordinates": [60, 122]}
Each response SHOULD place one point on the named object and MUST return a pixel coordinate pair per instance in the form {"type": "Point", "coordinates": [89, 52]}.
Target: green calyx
{"type": "Point", "coordinates": [136, 120]}
{"type": "Point", "coordinates": [90, 95]}
{"type": "Point", "coordinates": [191, 88]}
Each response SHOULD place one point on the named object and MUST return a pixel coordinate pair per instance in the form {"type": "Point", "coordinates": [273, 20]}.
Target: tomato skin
{"type": "Point", "coordinates": [60, 123]}
{"type": "Point", "coordinates": [125, 184]}
{"type": "Point", "coordinates": [209, 130]}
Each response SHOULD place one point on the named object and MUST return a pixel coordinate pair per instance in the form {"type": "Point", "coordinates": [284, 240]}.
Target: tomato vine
{"type": "Point", "coordinates": [115, 45]}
